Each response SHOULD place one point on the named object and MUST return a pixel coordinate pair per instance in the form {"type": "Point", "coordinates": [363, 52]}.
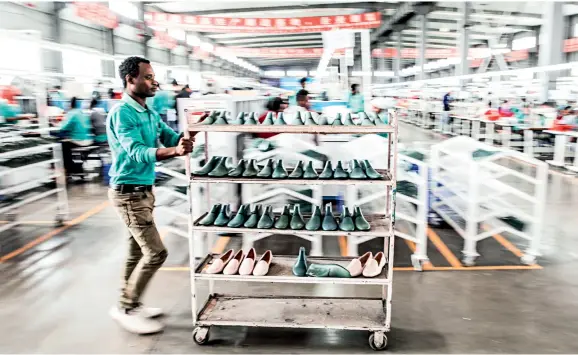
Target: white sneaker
{"type": "Point", "coordinates": [150, 312]}
{"type": "Point", "coordinates": [136, 321]}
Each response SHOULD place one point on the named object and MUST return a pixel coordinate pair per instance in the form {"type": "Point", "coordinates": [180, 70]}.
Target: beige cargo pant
{"type": "Point", "coordinates": [146, 251]}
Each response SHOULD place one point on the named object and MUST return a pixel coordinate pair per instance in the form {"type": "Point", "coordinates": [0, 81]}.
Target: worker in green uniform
{"type": "Point", "coordinates": [75, 132]}
{"type": "Point", "coordinates": [134, 132]}
{"type": "Point", "coordinates": [9, 112]}
{"type": "Point", "coordinates": [355, 100]}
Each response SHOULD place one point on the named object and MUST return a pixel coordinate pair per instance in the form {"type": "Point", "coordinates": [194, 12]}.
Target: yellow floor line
{"type": "Point", "coordinates": [443, 249]}
{"type": "Point", "coordinates": [54, 232]}
{"type": "Point", "coordinates": [342, 245]}
{"type": "Point", "coordinates": [220, 245]}
{"type": "Point", "coordinates": [411, 245]}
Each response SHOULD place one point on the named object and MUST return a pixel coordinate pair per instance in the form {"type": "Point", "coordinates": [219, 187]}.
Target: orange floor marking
{"type": "Point", "coordinates": [54, 232]}
{"type": "Point", "coordinates": [427, 265]}
{"type": "Point", "coordinates": [342, 245]}
{"type": "Point", "coordinates": [443, 249]}
{"type": "Point", "coordinates": [220, 245]}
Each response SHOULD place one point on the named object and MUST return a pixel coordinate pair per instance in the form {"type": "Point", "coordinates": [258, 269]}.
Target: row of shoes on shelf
{"type": "Point", "coordinates": [300, 119]}
{"type": "Point", "coordinates": [26, 160]}
{"type": "Point", "coordinates": [22, 144]}
{"type": "Point", "coordinates": [241, 263]}
{"type": "Point", "coordinates": [220, 166]}
{"type": "Point", "coordinates": [366, 265]}
{"type": "Point", "coordinates": [221, 216]}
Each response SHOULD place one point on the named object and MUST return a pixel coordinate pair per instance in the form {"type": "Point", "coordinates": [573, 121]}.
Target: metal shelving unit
{"type": "Point", "coordinates": [373, 315]}
{"type": "Point", "coordinates": [26, 185]}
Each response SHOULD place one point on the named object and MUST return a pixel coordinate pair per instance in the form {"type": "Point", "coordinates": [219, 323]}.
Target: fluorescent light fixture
{"type": "Point", "coordinates": [524, 43]}
{"type": "Point", "coordinates": [207, 47]}
{"type": "Point", "coordinates": [444, 29]}
{"type": "Point", "coordinates": [388, 74]}
{"type": "Point", "coordinates": [193, 40]}
{"type": "Point", "coordinates": [275, 73]}
{"type": "Point", "coordinates": [313, 72]}
{"type": "Point", "coordinates": [178, 34]}
{"type": "Point", "coordinates": [124, 8]}
{"type": "Point", "coordinates": [297, 73]}
{"type": "Point", "coordinates": [360, 73]}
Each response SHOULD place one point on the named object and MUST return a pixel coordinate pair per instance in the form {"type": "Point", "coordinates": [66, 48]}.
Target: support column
{"type": "Point", "coordinates": [141, 13]}
{"type": "Point", "coordinates": [366, 66]}
{"type": "Point", "coordinates": [397, 64]}
{"type": "Point", "coordinates": [551, 44]}
{"type": "Point", "coordinates": [463, 43]}
{"type": "Point", "coordinates": [344, 74]}
{"type": "Point", "coordinates": [422, 46]}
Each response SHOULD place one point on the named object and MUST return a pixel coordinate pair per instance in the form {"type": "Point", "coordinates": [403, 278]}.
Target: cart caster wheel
{"type": "Point", "coordinates": [469, 260]}
{"type": "Point", "coordinates": [377, 341]}
{"type": "Point", "coordinates": [201, 335]}
{"type": "Point", "coordinates": [528, 259]}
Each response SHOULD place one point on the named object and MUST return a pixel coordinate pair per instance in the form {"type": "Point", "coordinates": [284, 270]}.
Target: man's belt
{"type": "Point", "coordinates": [128, 188]}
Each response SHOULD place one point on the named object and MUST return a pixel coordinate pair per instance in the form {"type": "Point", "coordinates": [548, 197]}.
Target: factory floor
{"type": "Point", "coordinates": [57, 285]}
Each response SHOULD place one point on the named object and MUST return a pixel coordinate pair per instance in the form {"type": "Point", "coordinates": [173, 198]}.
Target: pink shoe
{"type": "Point", "coordinates": [233, 265]}
{"type": "Point", "coordinates": [248, 263]}
{"type": "Point", "coordinates": [356, 265]}
{"type": "Point", "coordinates": [218, 265]}
{"type": "Point", "coordinates": [262, 267]}
{"type": "Point", "coordinates": [374, 265]}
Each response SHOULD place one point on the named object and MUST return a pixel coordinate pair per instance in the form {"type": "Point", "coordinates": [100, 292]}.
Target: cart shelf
{"type": "Point", "coordinates": [294, 312]}
{"type": "Point", "coordinates": [379, 228]}
{"type": "Point", "coordinates": [294, 129]}
{"type": "Point", "coordinates": [235, 180]}
{"type": "Point", "coordinates": [280, 270]}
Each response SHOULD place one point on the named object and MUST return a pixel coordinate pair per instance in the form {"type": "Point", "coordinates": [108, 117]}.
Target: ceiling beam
{"type": "Point", "coordinates": [366, 5]}
{"type": "Point", "coordinates": [490, 12]}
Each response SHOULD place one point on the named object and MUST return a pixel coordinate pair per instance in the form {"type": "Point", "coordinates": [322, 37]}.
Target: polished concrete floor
{"type": "Point", "coordinates": [55, 295]}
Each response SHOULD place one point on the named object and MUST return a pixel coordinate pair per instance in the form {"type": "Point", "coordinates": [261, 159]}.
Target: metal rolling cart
{"type": "Point", "coordinates": [279, 311]}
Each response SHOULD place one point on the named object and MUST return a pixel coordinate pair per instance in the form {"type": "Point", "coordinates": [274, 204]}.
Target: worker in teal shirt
{"type": "Point", "coordinates": [134, 132]}
{"type": "Point", "coordinates": [75, 132]}
{"type": "Point", "coordinates": [355, 100]}
{"type": "Point", "coordinates": [9, 112]}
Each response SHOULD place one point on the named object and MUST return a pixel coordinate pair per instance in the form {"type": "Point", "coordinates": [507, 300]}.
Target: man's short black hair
{"type": "Point", "coordinates": [73, 102]}
{"type": "Point", "coordinates": [130, 67]}
{"type": "Point", "coordinates": [303, 80]}
{"type": "Point", "coordinates": [354, 86]}
{"type": "Point", "coordinates": [302, 92]}
{"type": "Point", "coordinates": [93, 103]}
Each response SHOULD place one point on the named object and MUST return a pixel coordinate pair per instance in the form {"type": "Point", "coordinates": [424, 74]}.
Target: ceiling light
{"type": "Point", "coordinates": [275, 73]}
{"type": "Point", "coordinates": [444, 29]}
{"type": "Point", "coordinates": [300, 73]}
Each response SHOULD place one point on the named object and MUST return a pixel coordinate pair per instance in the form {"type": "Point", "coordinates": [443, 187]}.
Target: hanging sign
{"type": "Point", "coordinates": [97, 13]}
{"type": "Point", "coordinates": [430, 53]}
{"type": "Point", "coordinates": [571, 45]}
{"type": "Point", "coordinates": [275, 52]}
{"type": "Point", "coordinates": [267, 25]}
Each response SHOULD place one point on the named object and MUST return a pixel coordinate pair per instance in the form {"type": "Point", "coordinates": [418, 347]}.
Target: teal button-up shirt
{"type": "Point", "coordinates": [134, 134]}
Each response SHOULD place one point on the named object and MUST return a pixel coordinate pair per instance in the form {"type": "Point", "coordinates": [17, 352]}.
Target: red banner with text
{"type": "Point", "coordinates": [476, 53]}
{"type": "Point", "coordinates": [264, 25]}
{"type": "Point", "coordinates": [97, 13]}
{"type": "Point", "coordinates": [571, 45]}
{"type": "Point", "coordinates": [276, 52]}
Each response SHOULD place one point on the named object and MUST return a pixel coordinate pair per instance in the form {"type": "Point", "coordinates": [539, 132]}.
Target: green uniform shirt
{"type": "Point", "coordinates": [356, 103]}
{"type": "Point", "coordinates": [134, 133]}
{"type": "Point", "coordinates": [77, 126]}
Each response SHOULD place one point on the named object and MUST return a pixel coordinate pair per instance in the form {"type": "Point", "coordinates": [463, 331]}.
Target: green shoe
{"type": "Point", "coordinates": [297, 222]}
{"type": "Point", "coordinates": [251, 120]}
{"type": "Point", "coordinates": [208, 167]}
{"type": "Point", "coordinates": [211, 118]}
{"type": "Point", "coordinates": [346, 221]}
{"type": "Point", "coordinates": [221, 169]}
{"type": "Point", "coordinates": [375, 118]}
{"type": "Point", "coordinates": [339, 172]}
{"type": "Point", "coordinates": [279, 172]}
{"type": "Point", "coordinates": [266, 222]}
{"type": "Point", "coordinates": [356, 170]}
{"type": "Point", "coordinates": [327, 270]}
{"type": "Point", "coordinates": [329, 223]}
{"type": "Point", "coordinates": [280, 121]}
{"type": "Point", "coordinates": [268, 119]}
{"type": "Point", "coordinates": [365, 121]}
{"type": "Point", "coordinates": [240, 119]}
{"type": "Point", "coordinates": [310, 173]}
{"type": "Point", "coordinates": [239, 218]}
{"type": "Point", "coordinates": [223, 218]}
{"type": "Point", "coordinates": [251, 169]}
{"type": "Point", "coordinates": [246, 209]}
{"type": "Point", "coordinates": [229, 163]}
{"type": "Point", "coordinates": [361, 223]}
{"type": "Point", "coordinates": [222, 119]}
{"type": "Point", "coordinates": [348, 121]}
{"type": "Point", "coordinates": [337, 120]}
{"type": "Point", "coordinates": [238, 170]}
{"type": "Point", "coordinates": [209, 219]}
{"type": "Point", "coordinates": [309, 119]}
{"type": "Point", "coordinates": [283, 220]}
{"type": "Point", "coordinates": [370, 171]}
{"type": "Point", "coordinates": [251, 222]}
{"type": "Point", "coordinates": [297, 172]}
{"type": "Point", "coordinates": [327, 172]}
{"type": "Point", "coordinates": [297, 119]}
{"type": "Point", "coordinates": [322, 120]}
{"type": "Point", "coordinates": [300, 266]}
{"type": "Point", "coordinates": [267, 170]}
{"type": "Point", "coordinates": [314, 222]}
